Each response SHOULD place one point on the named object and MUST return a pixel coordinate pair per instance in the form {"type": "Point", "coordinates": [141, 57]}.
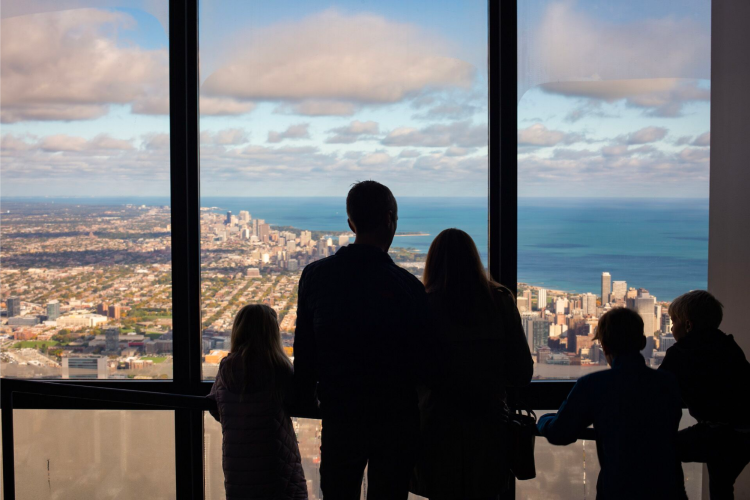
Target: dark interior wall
{"type": "Point", "coordinates": [729, 233]}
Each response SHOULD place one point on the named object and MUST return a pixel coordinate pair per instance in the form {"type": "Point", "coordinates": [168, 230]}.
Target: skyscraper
{"type": "Point", "coordinates": [541, 297]}
{"type": "Point", "coordinates": [606, 287]}
{"type": "Point", "coordinates": [114, 311]}
{"type": "Point", "coordinates": [619, 289]}
{"type": "Point", "coordinates": [264, 232]}
{"type": "Point", "coordinates": [53, 310]}
{"type": "Point", "coordinates": [14, 306]}
{"type": "Point", "coordinates": [588, 304]}
{"type": "Point", "coordinates": [644, 305]}
{"type": "Point", "coordinates": [229, 218]}
{"type": "Point", "coordinates": [112, 339]}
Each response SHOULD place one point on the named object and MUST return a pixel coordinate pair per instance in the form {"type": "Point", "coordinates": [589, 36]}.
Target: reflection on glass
{"type": "Point", "coordinates": [570, 472]}
{"type": "Point", "coordinates": [297, 103]}
{"type": "Point", "coordinates": [102, 454]}
{"type": "Point", "coordinates": [308, 438]}
{"type": "Point", "coordinates": [613, 150]}
{"type": "Point", "coordinates": [86, 280]}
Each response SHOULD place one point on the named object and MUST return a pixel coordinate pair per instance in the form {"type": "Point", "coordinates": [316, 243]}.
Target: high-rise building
{"type": "Point", "coordinates": [305, 237]}
{"type": "Point", "coordinates": [666, 341]}
{"type": "Point", "coordinates": [541, 297]}
{"type": "Point", "coordinates": [560, 305]}
{"type": "Point", "coordinates": [102, 308]}
{"type": "Point", "coordinates": [53, 310]}
{"type": "Point", "coordinates": [606, 287]}
{"type": "Point", "coordinates": [245, 234]}
{"type": "Point", "coordinates": [112, 339]}
{"type": "Point", "coordinates": [228, 220]}
{"type": "Point", "coordinates": [14, 306]}
{"type": "Point", "coordinates": [343, 240]}
{"type": "Point", "coordinates": [292, 264]}
{"type": "Point", "coordinates": [540, 332]}
{"type": "Point", "coordinates": [619, 289]}
{"type": "Point", "coordinates": [666, 323]}
{"type": "Point", "coordinates": [264, 232]}
{"type": "Point", "coordinates": [114, 311]}
{"type": "Point", "coordinates": [588, 304]}
{"type": "Point", "coordinates": [245, 216]}
{"type": "Point", "coordinates": [644, 306]}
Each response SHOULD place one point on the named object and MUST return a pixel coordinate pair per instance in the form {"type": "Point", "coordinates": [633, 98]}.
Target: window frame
{"type": "Point", "coordinates": [184, 87]}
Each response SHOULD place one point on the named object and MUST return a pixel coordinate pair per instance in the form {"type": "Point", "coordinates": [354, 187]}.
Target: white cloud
{"type": "Point", "coordinates": [703, 140]}
{"type": "Point", "coordinates": [68, 65]}
{"type": "Point", "coordinates": [409, 153]}
{"type": "Point", "coordinates": [319, 108]}
{"type": "Point", "coordinates": [375, 159]}
{"type": "Point", "coordinates": [225, 137]}
{"type": "Point", "coordinates": [462, 134]}
{"type": "Point", "coordinates": [540, 136]}
{"type": "Point", "coordinates": [298, 131]}
{"type": "Point", "coordinates": [646, 135]}
{"type": "Point", "coordinates": [569, 44]}
{"type": "Point", "coordinates": [330, 59]}
{"type": "Point", "coordinates": [661, 97]}
{"type": "Point", "coordinates": [353, 132]}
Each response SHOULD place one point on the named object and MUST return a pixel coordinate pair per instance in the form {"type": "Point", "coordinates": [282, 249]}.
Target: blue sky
{"type": "Point", "coordinates": [304, 98]}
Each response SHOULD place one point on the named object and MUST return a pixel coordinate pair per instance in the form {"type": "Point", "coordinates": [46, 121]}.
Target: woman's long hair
{"type": "Point", "coordinates": [455, 272]}
{"type": "Point", "coordinates": [256, 341]}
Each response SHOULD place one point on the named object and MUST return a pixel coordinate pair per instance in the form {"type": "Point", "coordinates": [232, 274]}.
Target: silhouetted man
{"type": "Point", "coordinates": [359, 319]}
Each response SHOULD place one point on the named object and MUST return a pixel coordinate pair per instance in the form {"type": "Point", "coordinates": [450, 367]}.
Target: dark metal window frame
{"type": "Point", "coordinates": [185, 208]}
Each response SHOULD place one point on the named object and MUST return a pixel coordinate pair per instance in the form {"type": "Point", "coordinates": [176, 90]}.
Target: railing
{"type": "Point", "coordinates": [98, 396]}
{"type": "Point", "coordinates": [38, 394]}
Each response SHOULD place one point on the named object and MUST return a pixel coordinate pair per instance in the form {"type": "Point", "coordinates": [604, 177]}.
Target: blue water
{"type": "Point", "coordinates": [565, 244]}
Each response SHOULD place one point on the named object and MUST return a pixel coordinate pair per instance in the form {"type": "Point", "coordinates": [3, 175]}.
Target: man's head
{"type": "Point", "coordinates": [620, 331]}
{"type": "Point", "coordinates": [373, 213]}
{"type": "Point", "coordinates": [696, 310]}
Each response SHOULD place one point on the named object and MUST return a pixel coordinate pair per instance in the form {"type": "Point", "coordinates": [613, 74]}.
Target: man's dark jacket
{"type": "Point", "coordinates": [713, 374]}
{"type": "Point", "coordinates": [360, 321]}
{"type": "Point", "coordinates": [636, 412]}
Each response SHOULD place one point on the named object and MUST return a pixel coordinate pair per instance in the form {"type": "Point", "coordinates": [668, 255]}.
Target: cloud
{"type": "Point", "coordinates": [299, 131]}
{"type": "Point", "coordinates": [379, 158]}
{"type": "Point", "coordinates": [456, 151]}
{"type": "Point", "coordinates": [158, 142]}
{"type": "Point", "coordinates": [695, 154]}
{"type": "Point", "coordinates": [319, 108]}
{"type": "Point", "coordinates": [225, 137]}
{"type": "Point", "coordinates": [63, 142]}
{"type": "Point", "coordinates": [646, 135]}
{"type": "Point", "coordinates": [409, 153]}
{"type": "Point", "coordinates": [660, 97]}
{"type": "Point", "coordinates": [70, 65]}
{"type": "Point", "coordinates": [331, 62]}
{"type": "Point", "coordinates": [568, 44]}
{"type": "Point", "coordinates": [540, 136]}
{"type": "Point", "coordinates": [223, 106]}
{"type": "Point", "coordinates": [462, 134]}
{"type": "Point", "coordinates": [448, 111]}
{"type": "Point", "coordinates": [702, 140]}
{"type": "Point", "coordinates": [353, 132]}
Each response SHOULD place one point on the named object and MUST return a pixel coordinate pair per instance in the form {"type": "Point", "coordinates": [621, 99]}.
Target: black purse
{"type": "Point", "coordinates": [522, 434]}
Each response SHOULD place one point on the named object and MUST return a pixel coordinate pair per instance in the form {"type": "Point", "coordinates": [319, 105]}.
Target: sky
{"type": "Point", "coordinates": [303, 98]}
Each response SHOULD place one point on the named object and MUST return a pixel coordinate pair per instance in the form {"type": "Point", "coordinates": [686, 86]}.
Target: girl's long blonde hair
{"type": "Point", "coordinates": [256, 341]}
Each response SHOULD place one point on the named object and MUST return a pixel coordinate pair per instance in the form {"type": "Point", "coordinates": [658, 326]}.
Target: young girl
{"type": "Point", "coordinates": [261, 459]}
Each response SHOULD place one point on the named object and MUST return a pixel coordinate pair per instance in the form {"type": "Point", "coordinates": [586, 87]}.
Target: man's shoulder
{"type": "Point", "coordinates": [318, 266]}
{"type": "Point", "coordinates": [409, 279]}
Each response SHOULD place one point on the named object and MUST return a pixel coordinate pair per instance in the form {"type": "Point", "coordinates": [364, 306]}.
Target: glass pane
{"type": "Point", "coordinates": [86, 280]}
{"type": "Point", "coordinates": [570, 472]}
{"type": "Point", "coordinates": [308, 438]}
{"type": "Point", "coordinates": [613, 153]}
{"type": "Point", "coordinates": [300, 100]}
{"type": "Point", "coordinates": [72, 454]}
